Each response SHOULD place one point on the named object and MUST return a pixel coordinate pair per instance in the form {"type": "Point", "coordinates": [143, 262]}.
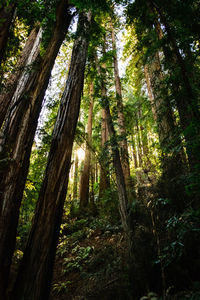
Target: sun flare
{"type": "Point", "coordinates": [81, 154]}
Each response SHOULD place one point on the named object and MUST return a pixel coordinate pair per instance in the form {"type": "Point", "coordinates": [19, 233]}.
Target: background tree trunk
{"type": "Point", "coordinates": [75, 183]}
{"type": "Point", "coordinates": [172, 161]}
{"type": "Point", "coordinates": [104, 183]}
{"type": "Point", "coordinates": [6, 17]}
{"type": "Point", "coordinates": [121, 120]}
{"type": "Point", "coordinates": [84, 183]}
{"type": "Point", "coordinates": [121, 186]}
{"type": "Point", "coordinates": [134, 153]}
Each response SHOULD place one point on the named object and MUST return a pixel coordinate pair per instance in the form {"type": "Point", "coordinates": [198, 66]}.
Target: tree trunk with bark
{"type": "Point", "coordinates": [23, 69]}
{"type": "Point", "coordinates": [134, 153]}
{"type": "Point", "coordinates": [85, 176]}
{"type": "Point", "coordinates": [6, 17]}
{"type": "Point", "coordinates": [172, 160]}
{"type": "Point", "coordinates": [17, 141]}
{"type": "Point", "coordinates": [121, 186]}
{"type": "Point", "coordinates": [104, 183]}
{"type": "Point", "coordinates": [121, 120]}
{"type": "Point", "coordinates": [139, 143]}
{"type": "Point", "coordinates": [144, 142]}
{"type": "Point", "coordinates": [183, 89]}
{"type": "Point", "coordinates": [35, 274]}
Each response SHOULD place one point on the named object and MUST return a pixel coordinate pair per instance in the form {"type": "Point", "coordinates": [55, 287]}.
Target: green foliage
{"type": "Point", "coordinates": [108, 207]}
{"type": "Point", "coordinates": [61, 287]}
{"type": "Point", "coordinates": [77, 262]}
{"type": "Point", "coordinates": [95, 6]}
{"type": "Point", "coordinates": [180, 228]}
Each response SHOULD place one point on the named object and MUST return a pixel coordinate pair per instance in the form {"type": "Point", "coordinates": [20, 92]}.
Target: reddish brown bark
{"type": "Point", "coordinates": [8, 91]}
{"type": "Point", "coordinates": [173, 162]}
{"type": "Point", "coordinates": [183, 89]}
{"type": "Point", "coordinates": [17, 142]}
{"type": "Point", "coordinates": [121, 186]}
{"type": "Point", "coordinates": [139, 144]}
{"type": "Point", "coordinates": [121, 120]}
{"type": "Point", "coordinates": [162, 110]}
{"type": "Point", "coordinates": [134, 153]}
{"type": "Point", "coordinates": [34, 277]}
{"type": "Point", "coordinates": [6, 17]}
{"type": "Point", "coordinates": [104, 183]}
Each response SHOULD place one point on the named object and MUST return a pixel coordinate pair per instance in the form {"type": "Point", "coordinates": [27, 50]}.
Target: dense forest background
{"type": "Point", "coordinates": [99, 149]}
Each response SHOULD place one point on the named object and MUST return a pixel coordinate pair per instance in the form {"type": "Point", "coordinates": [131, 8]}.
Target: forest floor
{"type": "Point", "coordinates": [91, 262]}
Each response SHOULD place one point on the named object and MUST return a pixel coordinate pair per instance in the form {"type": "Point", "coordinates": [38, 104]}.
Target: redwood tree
{"type": "Point", "coordinates": [28, 56]}
{"type": "Point", "coordinates": [121, 119]}
{"type": "Point", "coordinates": [18, 135]}
{"type": "Point", "coordinates": [35, 274]}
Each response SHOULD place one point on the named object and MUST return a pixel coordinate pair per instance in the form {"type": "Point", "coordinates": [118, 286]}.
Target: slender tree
{"type": "Point", "coordinates": [104, 183]}
{"type": "Point", "coordinates": [75, 184]}
{"type": "Point", "coordinates": [34, 277]}
{"type": "Point", "coordinates": [121, 186]}
{"type": "Point", "coordinates": [85, 176]}
{"type": "Point", "coordinates": [121, 120]}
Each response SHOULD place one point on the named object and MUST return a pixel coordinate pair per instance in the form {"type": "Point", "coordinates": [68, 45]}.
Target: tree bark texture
{"type": "Point", "coordinates": [134, 153]}
{"type": "Point", "coordinates": [6, 17]}
{"type": "Point", "coordinates": [121, 186]}
{"type": "Point", "coordinates": [104, 183]}
{"type": "Point", "coordinates": [182, 89]}
{"type": "Point", "coordinates": [85, 176]}
{"type": "Point", "coordinates": [28, 56]}
{"type": "Point", "coordinates": [121, 120]}
{"type": "Point", "coordinates": [139, 144]}
{"type": "Point", "coordinates": [34, 277]}
{"type": "Point", "coordinates": [144, 142]}
{"type": "Point", "coordinates": [172, 160]}
{"type": "Point", "coordinates": [17, 141]}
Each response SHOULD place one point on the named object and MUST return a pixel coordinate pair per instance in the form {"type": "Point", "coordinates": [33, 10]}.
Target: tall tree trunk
{"type": "Point", "coordinates": [96, 171]}
{"type": "Point", "coordinates": [139, 144]}
{"type": "Point", "coordinates": [121, 186]}
{"type": "Point", "coordinates": [104, 183]}
{"type": "Point", "coordinates": [18, 139]}
{"type": "Point", "coordinates": [75, 184]}
{"type": "Point", "coordinates": [6, 17]}
{"type": "Point", "coordinates": [162, 109]}
{"type": "Point", "coordinates": [172, 161]}
{"type": "Point", "coordinates": [121, 120]}
{"type": "Point", "coordinates": [35, 274]}
{"type": "Point", "coordinates": [85, 176]}
{"type": "Point", "coordinates": [150, 92]}
{"type": "Point", "coordinates": [144, 141]}
{"type": "Point", "coordinates": [134, 153]}
{"type": "Point", "coordinates": [184, 93]}
{"type": "Point", "coordinates": [28, 56]}
{"type": "Point", "coordinates": [93, 207]}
